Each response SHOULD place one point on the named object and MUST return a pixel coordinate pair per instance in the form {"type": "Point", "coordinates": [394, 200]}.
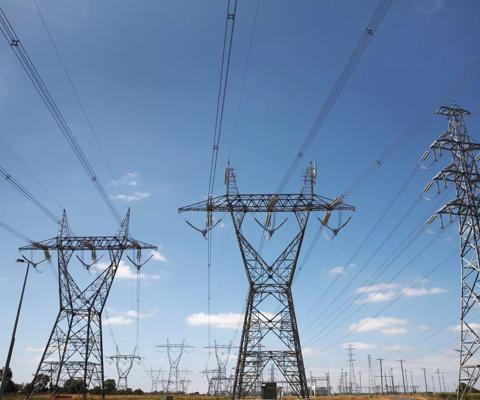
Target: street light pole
{"type": "Point", "coordinates": [12, 340]}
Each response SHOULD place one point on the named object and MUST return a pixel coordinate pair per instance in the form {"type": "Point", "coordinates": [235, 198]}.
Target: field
{"type": "Point", "coordinates": [202, 397]}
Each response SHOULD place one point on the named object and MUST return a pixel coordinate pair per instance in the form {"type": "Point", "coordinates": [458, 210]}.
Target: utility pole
{"type": "Point", "coordinates": [352, 381]}
{"type": "Point", "coordinates": [74, 351]}
{"type": "Point", "coordinates": [381, 372]}
{"type": "Point", "coordinates": [463, 173]}
{"type": "Point", "coordinates": [270, 284]}
{"type": "Point", "coordinates": [392, 380]}
{"type": "Point", "coordinates": [433, 385]}
{"type": "Point", "coordinates": [371, 376]}
{"type": "Point", "coordinates": [340, 383]}
{"type": "Point", "coordinates": [403, 376]}
{"type": "Point", "coordinates": [411, 381]}
{"type": "Point", "coordinates": [425, 377]}
{"type": "Point", "coordinates": [439, 382]}
{"type": "Point", "coordinates": [360, 383]}
{"type": "Point", "coordinates": [6, 368]}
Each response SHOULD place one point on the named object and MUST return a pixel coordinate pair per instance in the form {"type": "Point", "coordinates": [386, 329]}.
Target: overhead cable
{"type": "Point", "coordinates": [32, 73]}
{"type": "Point", "coordinates": [342, 80]}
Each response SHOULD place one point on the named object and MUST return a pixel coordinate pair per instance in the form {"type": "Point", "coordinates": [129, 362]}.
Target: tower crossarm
{"type": "Point", "coordinates": [447, 143]}
{"type": "Point", "coordinates": [452, 173]}
{"type": "Point", "coordinates": [245, 203]}
{"type": "Point", "coordinates": [99, 243]}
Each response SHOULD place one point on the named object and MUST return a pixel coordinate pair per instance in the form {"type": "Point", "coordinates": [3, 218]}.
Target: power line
{"type": "Point", "coordinates": [32, 73]}
{"type": "Point", "coordinates": [342, 80]}
{"type": "Point", "coordinates": [410, 239]}
{"type": "Point", "coordinates": [222, 92]}
{"type": "Point", "coordinates": [242, 87]}
{"type": "Point", "coordinates": [392, 302]}
{"type": "Point", "coordinates": [362, 244]}
{"type": "Point", "coordinates": [414, 128]}
{"type": "Point", "coordinates": [420, 121]}
{"type": "Point", "coordinates": [74, 89]}
{"type": "Point", "coordinates": [30, 172]}
{"type": "Point", "coordinates": [28, 195]}
{"type": "Point", "coordinates": [222, 89]}
{"type": "Point", "coordinates": [14, 232]}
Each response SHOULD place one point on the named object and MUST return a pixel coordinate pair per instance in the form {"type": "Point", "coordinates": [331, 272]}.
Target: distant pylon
{"type": "Point", "coordinates": [463, 172]}
{"type": "Point", "coordinates": [352, 382]}
{"type": "Point", "coordinates": [219, 384]}
{"type": "Point", "coordinates": [124, 364]}
{"type": "Point", "coordinates": [154, 375]}
{"type": "Point", "coordinates": [174, 353]}
{"type": "Point", "coordinates": [371, 376]}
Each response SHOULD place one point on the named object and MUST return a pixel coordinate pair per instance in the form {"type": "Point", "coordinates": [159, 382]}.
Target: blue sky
{"type": "Point", "coordinates": [147, 73]}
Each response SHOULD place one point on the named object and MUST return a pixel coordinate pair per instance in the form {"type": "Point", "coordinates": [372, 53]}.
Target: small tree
{"type": "Point", "coordinates": [73, 385]}
{"type": "Point", "coordinates": [110, 386]}
{"type": "Point", "coordinates": [10, 386]}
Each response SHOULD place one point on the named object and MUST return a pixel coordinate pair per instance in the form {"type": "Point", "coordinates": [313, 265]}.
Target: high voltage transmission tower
{"type": "Point", "coordinates": [352, 382]}
{"type": "Point", "coordinates": [74, 352]}
{"type": "Point", "coordinates": [174, 352]}
{"type": "Point", "coordinates": [154, 375]}
{"type": "Point", "coordinates": [124, 364]}
{"type": "Point", "coordinates": [219, 383]}
{"type": "Point", "coordinates": [463, 173]}
{"type": "Point", "coordinates": [269, 283]}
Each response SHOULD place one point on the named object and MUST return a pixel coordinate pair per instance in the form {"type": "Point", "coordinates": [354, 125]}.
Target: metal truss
{"type": "Point", "coordinates": [174, 383]}
{"type": "Point", "coordinates": [124, 364]}
{"type": "Point", "coordinates": [269, 283]}
{"type": "Point", "coordinates": [155, 375]}
{"type": "Point", "coordinates": [463, 173]}
{"type": "Point", "coordinates": [219, 384]}
{"type": "Point", "coordinates": [73, 356]}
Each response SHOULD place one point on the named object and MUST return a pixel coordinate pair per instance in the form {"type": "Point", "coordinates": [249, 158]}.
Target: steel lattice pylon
{"type": "Point", "coordinates": [219, 383]}
{"type": "Point", "coordinates": [174, 383]}
{"type": "Point", "coordinates": [124, 364]}
{"type": "Point", "coordinates": [463, 172]}
{"type": "Point", "coordinates": [269, 282]}
{"type": "Point", "coordinates": [74, 352]}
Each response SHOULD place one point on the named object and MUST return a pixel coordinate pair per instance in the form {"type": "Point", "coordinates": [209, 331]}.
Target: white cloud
{"type": "Point", "coordinates": [222, 320]}
{"type": "Point", "coordinates": [118, 320]}
{"type": "Point", "coordinates": [129, 179]}
{"type": "Point", "coordinates": [125, 318]}
{"type": "Point", "coordinates": [377, 297]}
{"type": "Point", "coordinates": [474, 325]}
{"type": "Point", "coordinates": [126, 271]}
{"type": "Point", "coordinates": [337, 271]}
{"type": "Point", "coordinates": [417, 292]}
{"type": "Point", "coordinates": [311, 351]}
{"type": "Point", "coordinates": [360, 345]}
{"type": "Point", "coordinates": [395, 330]}
{"type": "Point", "coordinates": [157, 256]}
{"type": "Point", "coordinates": [430, 7]}
{"type": "Point", "coordinates": [376, 288]}
{"type": "Point", "coordinates": [32, 349]}
{"type": "Point", "coordinates": [423, 327]}
{"type": "Point", "coordinates": [386, 325]}
{"type": "Point", "coordinates": [129, 198]}
{"type": "Point", "coordinates": [398, 348]}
